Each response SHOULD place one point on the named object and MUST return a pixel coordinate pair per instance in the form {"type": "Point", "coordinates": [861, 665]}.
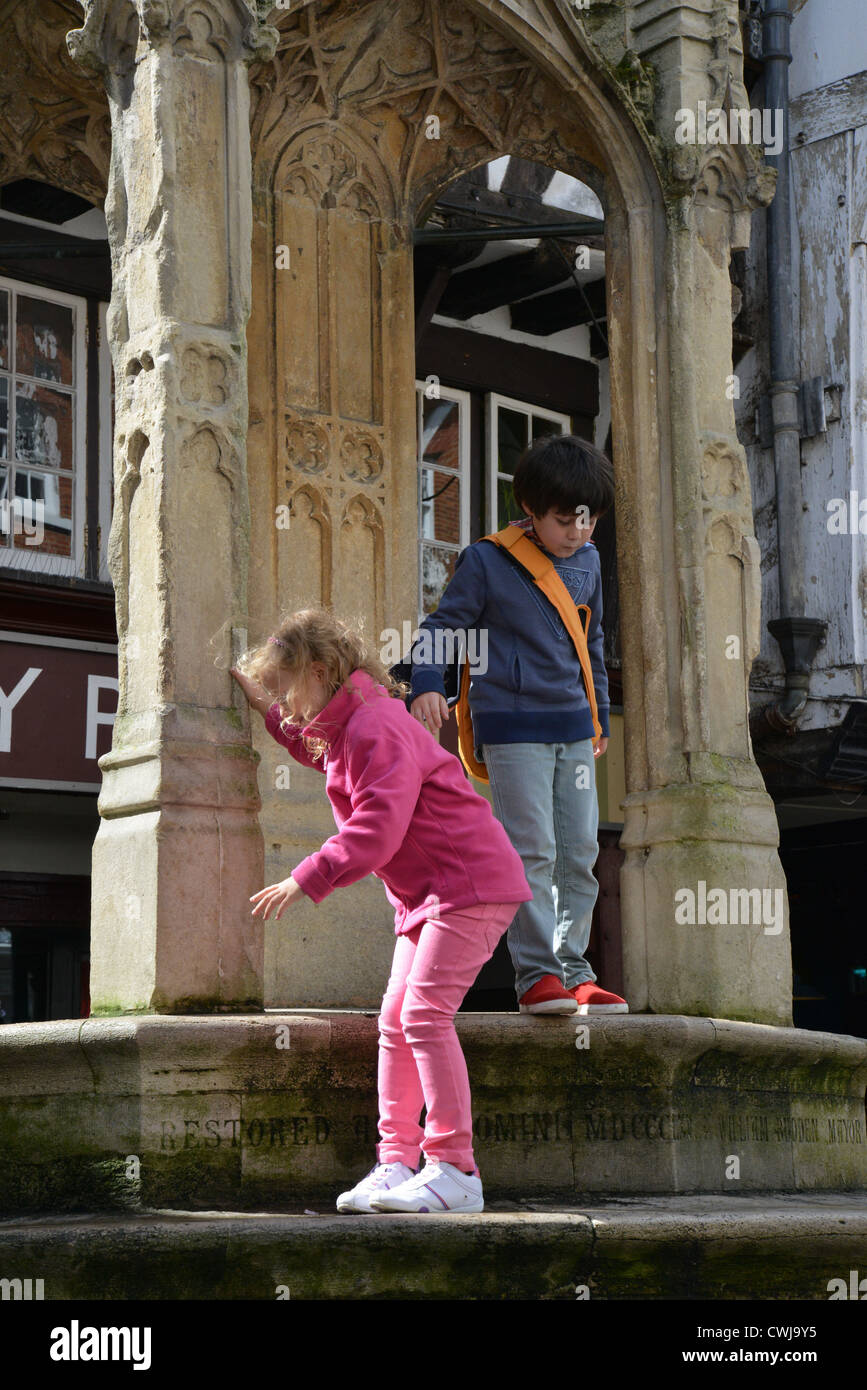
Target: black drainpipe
{"type": "Point", "coordinates": [798, 636]}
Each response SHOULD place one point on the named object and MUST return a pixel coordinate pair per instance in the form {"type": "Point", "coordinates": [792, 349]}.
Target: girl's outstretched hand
{"type": "Point", "coordinates": [279, 895]}
{"type": "Point", "coordinates": [257, 696]}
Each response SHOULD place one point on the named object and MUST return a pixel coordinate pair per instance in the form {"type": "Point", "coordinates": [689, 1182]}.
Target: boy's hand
{"type": "Point", "coordinates": [429, 709]}
{"type": "Point", "coordinates": [279, 895]}
{"type": "Point", "coordinates": [257, 696]}
{"type": "Point", "coordinates": [600, 748]}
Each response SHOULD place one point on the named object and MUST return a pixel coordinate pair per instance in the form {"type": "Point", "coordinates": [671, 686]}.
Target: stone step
{"type": "Point", "coordinates": [767, 1247]}
{"type": "Point", "coordinates": [267, 1111]}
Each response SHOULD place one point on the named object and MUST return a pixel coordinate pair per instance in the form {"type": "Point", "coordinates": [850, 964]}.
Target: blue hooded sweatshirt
{"type": "Point", "coordinates": [532, 690]}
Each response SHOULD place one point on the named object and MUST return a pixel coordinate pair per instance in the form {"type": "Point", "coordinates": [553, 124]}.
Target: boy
{"type": "Point", "coordinates": [532, 725]}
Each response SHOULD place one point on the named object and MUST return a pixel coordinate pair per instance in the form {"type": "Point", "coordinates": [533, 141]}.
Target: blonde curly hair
{"type": "Point", "coordinates": [302, 639]}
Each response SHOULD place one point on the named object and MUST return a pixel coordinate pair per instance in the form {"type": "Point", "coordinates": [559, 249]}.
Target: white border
{"type": "Point", "coordinates": [60, 228]}
{"type": "Point", "coordinates": [39, 640]}
{"type": "Point", "coordinates": [33, 785]}
{"type": "Point", "coordinates": [106, 442]}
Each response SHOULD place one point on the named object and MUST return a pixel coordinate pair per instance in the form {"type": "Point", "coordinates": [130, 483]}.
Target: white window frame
{"type": "Point", "coordinates": [462, 472]}
{"type": "Point", "coordinates": [29, 558]}
{"type": "Point", "coordinates": [493, 401]}
{"type": "Point", "coordinates": [106, 443]}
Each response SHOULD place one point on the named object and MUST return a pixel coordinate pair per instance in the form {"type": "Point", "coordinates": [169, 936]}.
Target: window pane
{"type": "Point", "coordinates": [4, 329]}
{"type": "Point", "coordinates": [437, 568]}
{"type": "Point", "coordinates": [512, 438]}
{"type": "Point", "coordinates": [5, 516]}
{"type": "Point", "coordinates": [43, 512]}
{"type": "Point", "coordinates": [441, 436]}
{"type": "Point", "coordinates": [439, 505]}
{"type": "Point", "coordinates": [43, 425]}
{"type": "Point", "coordinates": [43, 339]}
{"type": "Point", "coordinates": [4, 417]}
{"type": "Point", "coordinates": [507, 508]}
{"type": "Point", "coordinates": [541, 427]}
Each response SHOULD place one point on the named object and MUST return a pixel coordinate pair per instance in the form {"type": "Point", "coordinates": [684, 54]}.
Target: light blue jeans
{"type": "Point", "coordinates": [544, 794]}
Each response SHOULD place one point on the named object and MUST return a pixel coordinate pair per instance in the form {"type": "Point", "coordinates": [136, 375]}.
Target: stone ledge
{"type": "Point", "coordinates": [217, 1113]}
{"type": "Point", "coordinates": [711, 1247]}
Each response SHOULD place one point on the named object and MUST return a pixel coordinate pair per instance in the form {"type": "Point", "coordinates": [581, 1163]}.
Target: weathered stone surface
{"type": "Point", "coordinates": [281, 1109]}
{"type": "Point", "coordinates": [713, 1248]}
{"type": "Point", "coordinates": [179, 849]}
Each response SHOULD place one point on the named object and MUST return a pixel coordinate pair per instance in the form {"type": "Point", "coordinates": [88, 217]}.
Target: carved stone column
{"type": "Point", "coordinates": [179, 848]}
{"type": "Point", "coordinates": [698, 820]}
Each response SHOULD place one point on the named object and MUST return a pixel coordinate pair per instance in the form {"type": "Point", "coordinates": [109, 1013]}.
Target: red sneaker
{"type": "Point", "coordinates": [547, 996]}
{"type": "Point", "coordinates": [593, 1000]}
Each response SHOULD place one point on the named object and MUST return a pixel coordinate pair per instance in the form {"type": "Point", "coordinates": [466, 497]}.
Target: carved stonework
{"type": "Point", "coordinates": [638, 78]}
{"type": "Point", "coordinates": [178, 216]}
{"type": "Point", "coordinates": [341, 452]}
{"type": "Point", "coordinates": [206, 378]}
{"type": "Point", "coordinates": [360, 455]}
{"type": "Point", "coordinates": [735, 176]}
{"type": "Point", "coordinates": [360, 511]}
{"type": "Point", "coordinates": [325, 170]}
{"type": "Point", "coordinates": [54, 122]}
{"type": "Point", "coordinates": [115, 31]}
{"type": "Point", "coordinates": [307, 445]}
{"type": "Point", "coordinates": [208, 449]}
{"type": "Point", "coordinates": [725, 484]}
{"type": "Point", "coordinates": [726, 68]}
{"type": "Point", "coordinates": [309, 505]}
{"type": "Point", "coordinates": [448, 88]}
{"type": "Point", "coordinates": [724, 536]}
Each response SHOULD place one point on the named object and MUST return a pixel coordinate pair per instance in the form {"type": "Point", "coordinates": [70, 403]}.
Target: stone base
{"type": "Point", "coordinates": [657, 1248]}
{"type": "Point", "coordinates": [276, 1110]}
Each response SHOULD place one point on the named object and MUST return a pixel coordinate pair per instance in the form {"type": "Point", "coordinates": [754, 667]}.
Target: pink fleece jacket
{"type": "Point", "coordinates": [404, 810]}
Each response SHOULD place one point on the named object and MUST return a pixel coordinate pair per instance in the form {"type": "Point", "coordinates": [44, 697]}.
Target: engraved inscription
{"type": "Point", "coordinates": [515, 1127]}
{"type": "Point", "coordinates": [523, 1127]}
{"type": "Point", "coordinates": [275, 1132]}
{"type": "Point", "coordinates": [667, 1128]}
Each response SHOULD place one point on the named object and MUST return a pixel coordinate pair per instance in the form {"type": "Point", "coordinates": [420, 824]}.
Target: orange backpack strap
{"type": "Point", "coordinates": [465, 730]}
{"type": "Point", "coordinates": [530, 557]}
{"type": "Point", "coordinates": [552, 586]}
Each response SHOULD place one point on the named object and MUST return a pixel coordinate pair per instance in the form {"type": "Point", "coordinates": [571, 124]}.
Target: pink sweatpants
{"type": "Point", "coordinates": [420, 1057]}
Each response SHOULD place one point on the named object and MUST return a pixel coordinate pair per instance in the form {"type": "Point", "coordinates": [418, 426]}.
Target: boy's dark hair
{"type": "Point", "coordinates": [562, 472]}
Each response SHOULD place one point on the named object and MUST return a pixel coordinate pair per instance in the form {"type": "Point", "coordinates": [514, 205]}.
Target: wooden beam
{"type": "Point", "coordinates": [430, 299]}
{"type": "Point", "coordinates": [486, 287]}
{"type": "Point", "coordinates": [564, 308]}
{"type": "Point", "coordinates": [527, 178]}
{"type": "Point", "coordinates": [480, 362]}
{"type": "Point", "coordinates": [517, 207]}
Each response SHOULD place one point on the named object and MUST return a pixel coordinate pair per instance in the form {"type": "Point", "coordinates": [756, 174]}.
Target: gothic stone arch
{"type": "Point", "coordinates": [343, 169]}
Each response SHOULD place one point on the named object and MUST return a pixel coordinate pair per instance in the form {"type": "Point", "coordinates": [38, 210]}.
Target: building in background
{"type": "Point", "coordinates": [808, 687]}
{"type": "Point", "coordinates": [58, 643]}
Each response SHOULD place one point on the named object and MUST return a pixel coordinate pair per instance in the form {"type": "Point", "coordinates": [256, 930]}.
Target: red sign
{"type": "Point", "coordinates": [57, 707]}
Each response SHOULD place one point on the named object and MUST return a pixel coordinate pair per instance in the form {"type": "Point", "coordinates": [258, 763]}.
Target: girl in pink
{"type": "Point", "coordinates": [406, 813]}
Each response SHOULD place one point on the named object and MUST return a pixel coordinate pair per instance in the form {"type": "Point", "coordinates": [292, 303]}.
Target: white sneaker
{"type": "Point", "coordinates": [439, 1187]}
{"type": "Point", "coordinates": [381, 1176]}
